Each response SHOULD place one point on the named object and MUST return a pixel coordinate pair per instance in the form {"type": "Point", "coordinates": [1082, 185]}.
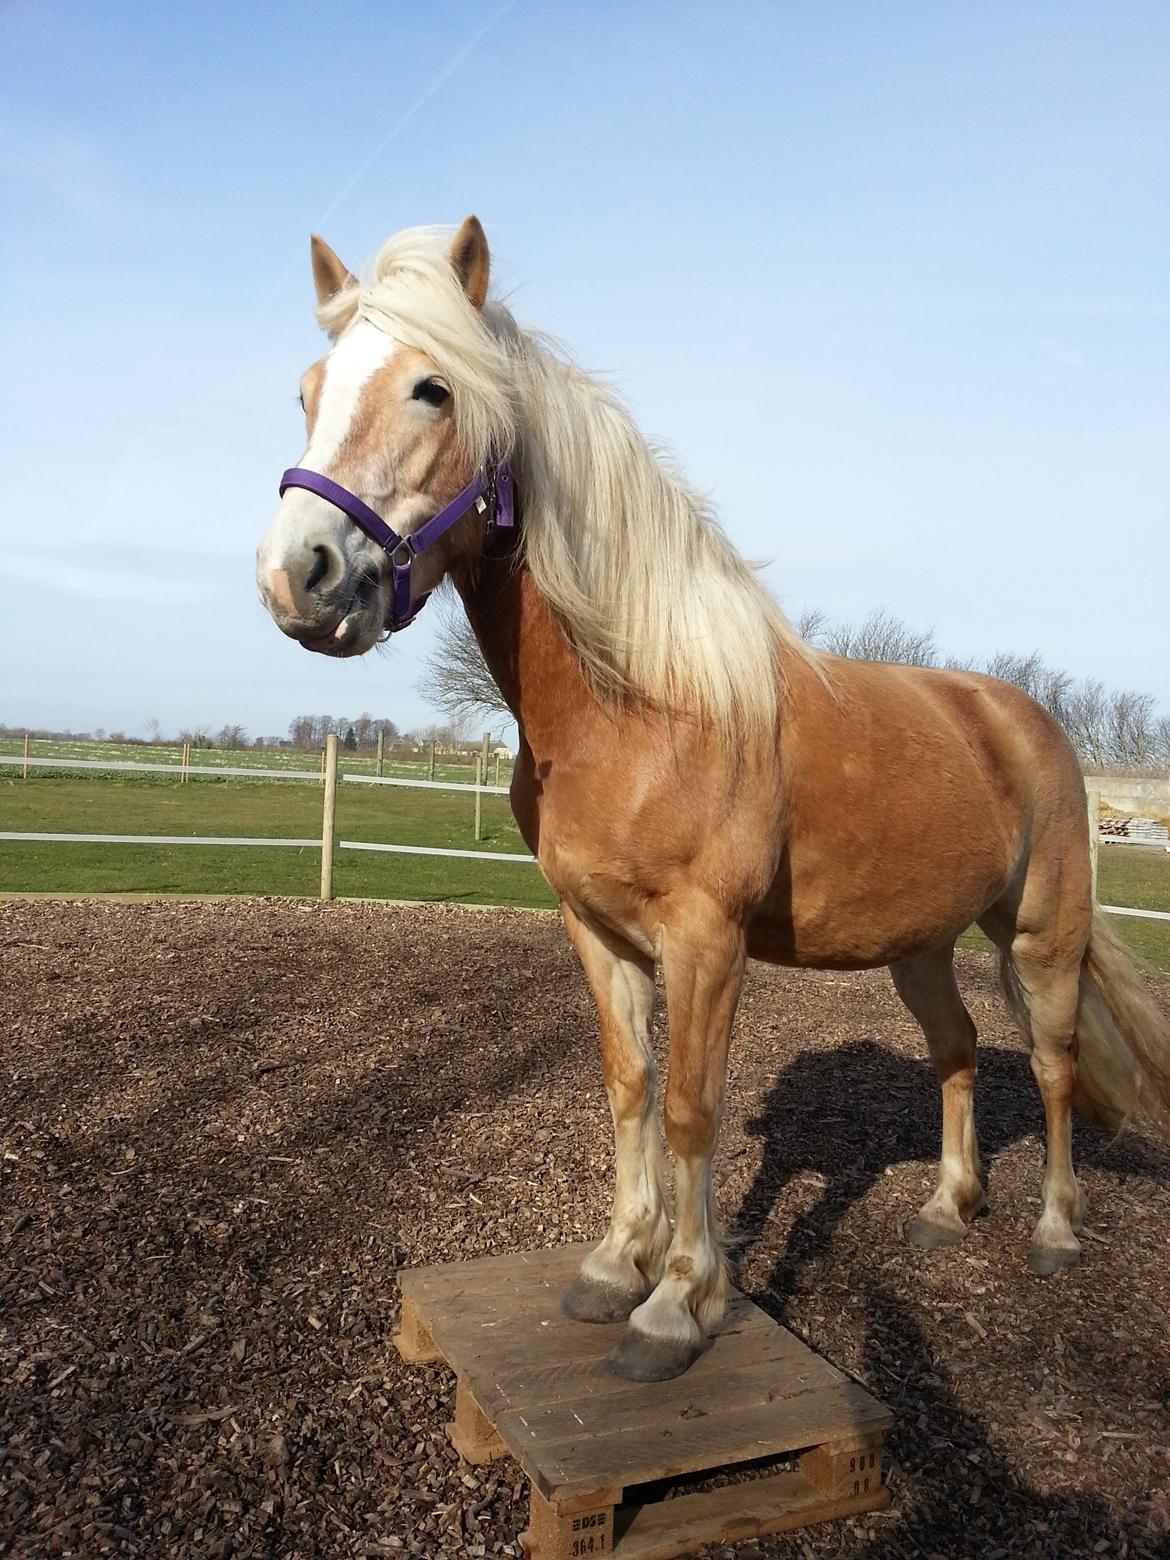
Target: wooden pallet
{"type": "Point", "coordinates": [533, 1385]}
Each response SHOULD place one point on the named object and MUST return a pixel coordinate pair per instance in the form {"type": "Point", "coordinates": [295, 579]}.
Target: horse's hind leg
{"type": "Point", "coordinates": [1043, 994]}
{"type": "Point", "coordinates": [926, 985]}
{"type": "Point", "coordinates": [618, 1275]}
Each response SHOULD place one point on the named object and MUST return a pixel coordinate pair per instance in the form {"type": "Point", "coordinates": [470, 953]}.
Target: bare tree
{"type": "Point", "coordinates": [880, 637]}
{"type": "Point", "coordinates": [456, 679]}
{"type": "Point", "coordinates": [231, 736]}
{"type": "Point", "coordinates": [812, 624]}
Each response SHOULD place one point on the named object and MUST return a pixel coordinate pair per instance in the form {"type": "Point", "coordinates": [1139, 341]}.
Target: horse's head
{"type": "Point", "coordinates": [386, 430]}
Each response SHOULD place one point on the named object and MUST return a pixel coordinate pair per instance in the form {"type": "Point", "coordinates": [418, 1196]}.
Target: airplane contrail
{"type": "Point", "coordinates": [396, 129]}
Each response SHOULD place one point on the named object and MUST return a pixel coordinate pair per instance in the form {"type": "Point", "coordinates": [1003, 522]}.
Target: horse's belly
{"type": "Point", "coordinates": [857, 914]}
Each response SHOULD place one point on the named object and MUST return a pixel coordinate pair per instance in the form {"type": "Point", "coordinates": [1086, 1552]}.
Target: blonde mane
{"type": "Point", "coordinates": [657, 603]}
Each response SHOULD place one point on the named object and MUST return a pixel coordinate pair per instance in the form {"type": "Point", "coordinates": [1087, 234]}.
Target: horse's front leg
{"type": "Point", "coordinates": [702, 965]}
{"type": "Point", "coordinates": [621, 1272]}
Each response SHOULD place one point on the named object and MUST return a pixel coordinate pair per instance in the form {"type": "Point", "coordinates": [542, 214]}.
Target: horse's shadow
{"type": "Point", "coordinates": [956, 1491]}
{"type": "Point", "coordinates": [847, 1115]}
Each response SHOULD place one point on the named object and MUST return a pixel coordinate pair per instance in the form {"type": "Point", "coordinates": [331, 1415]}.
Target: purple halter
{"type": "Point", "coordinates": [490, 494]}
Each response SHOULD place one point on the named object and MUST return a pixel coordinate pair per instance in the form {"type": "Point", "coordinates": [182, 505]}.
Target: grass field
{"type": "Point", "coordinates": [139, 805]}
{"type": "Point", "coordinates": [85, 803]}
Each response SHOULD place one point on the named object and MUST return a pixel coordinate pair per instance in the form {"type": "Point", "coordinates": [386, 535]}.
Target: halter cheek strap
{"type": "Point", "coordinates": [491, 494]}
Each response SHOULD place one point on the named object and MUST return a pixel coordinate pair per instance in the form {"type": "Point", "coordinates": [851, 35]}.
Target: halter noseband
{"type": "Point", "coordinates": [490, 494]}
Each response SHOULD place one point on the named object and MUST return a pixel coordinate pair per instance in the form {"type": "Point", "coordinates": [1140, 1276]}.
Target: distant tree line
{"type": "Point", "coordinates": [358, 731]}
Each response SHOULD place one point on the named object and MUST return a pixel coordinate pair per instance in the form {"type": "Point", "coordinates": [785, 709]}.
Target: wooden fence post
{"type": "Point", "coordinates": [24, 766]}
{"type": "Point", "coordinates": [328, 815]}
{"type": "Point", "coordinates": [483, 753]}
{"type": "Point", "coordinates": [381, 751]}
{"type": "Point", "coordinates": [432, 773]}
{"type": "Point", "coordinates": [185, 764]}
{"type": "Point", "coordinates": [1093, 798]}
{"type": "Point", "coordinates": [478, 799]}
{"type": "Point", "coordinates": [497, 769]}
{"type": "Point", "coordinates": [324, 750]}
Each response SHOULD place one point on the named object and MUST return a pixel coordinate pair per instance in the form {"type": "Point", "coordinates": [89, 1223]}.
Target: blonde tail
{"type": "Point", "coordinates": [1123, 1066]}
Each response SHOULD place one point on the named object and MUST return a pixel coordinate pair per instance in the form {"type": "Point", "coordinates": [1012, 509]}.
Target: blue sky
{"type": "Point", "coordinates": [893, 279]}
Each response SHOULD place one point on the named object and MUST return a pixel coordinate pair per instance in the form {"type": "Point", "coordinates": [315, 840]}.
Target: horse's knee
{"type": "Point", "coordinates": [691, 1121]}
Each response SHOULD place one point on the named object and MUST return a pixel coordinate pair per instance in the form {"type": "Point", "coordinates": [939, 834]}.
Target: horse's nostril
{"type": "Point", "coordinates": [319, 570]}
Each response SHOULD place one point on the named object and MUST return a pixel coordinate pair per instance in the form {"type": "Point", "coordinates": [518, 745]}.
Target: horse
{"type": "Point", "coordinates": [698, 784]}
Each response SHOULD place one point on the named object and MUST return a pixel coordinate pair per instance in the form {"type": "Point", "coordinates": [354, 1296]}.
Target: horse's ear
{"type": "Point", "coordinates": [471, 261]}
{"type": "Point", "coordinates": [329, 275]}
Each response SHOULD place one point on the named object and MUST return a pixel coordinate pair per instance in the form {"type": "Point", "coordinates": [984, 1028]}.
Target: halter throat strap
{"type": "Point", "coordinates": [490, 493]}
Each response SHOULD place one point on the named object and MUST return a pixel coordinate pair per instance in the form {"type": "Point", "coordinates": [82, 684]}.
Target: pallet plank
{"type": "Point", "coordinates": [536, 1386]}
{"type": "Point", "coordinates": [730, 1515]}
{"type": "Point", "coordinates": [647, 1451]}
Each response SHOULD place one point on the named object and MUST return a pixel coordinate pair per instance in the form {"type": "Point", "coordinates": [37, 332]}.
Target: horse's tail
{"type": "Point", "coordinates": [1123, 1065]}
{"type": "Point", "coordinates": [1123, 1038]}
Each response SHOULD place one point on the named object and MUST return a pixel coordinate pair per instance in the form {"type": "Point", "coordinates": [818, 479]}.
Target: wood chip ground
{"type": "Point", "coordinates": [225, 1127]}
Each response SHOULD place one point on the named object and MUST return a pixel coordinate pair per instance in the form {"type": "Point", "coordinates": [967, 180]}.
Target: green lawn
{"type": "Point", "coordinates": [139, 805]}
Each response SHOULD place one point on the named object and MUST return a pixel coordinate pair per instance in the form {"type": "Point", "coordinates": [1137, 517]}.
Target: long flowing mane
{"type": "Point", "coordinates": [658, 605]}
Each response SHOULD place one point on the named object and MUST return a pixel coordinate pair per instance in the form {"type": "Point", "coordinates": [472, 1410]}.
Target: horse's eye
{"type": "Point", "coordinates": [301, 399]}
{"type": "Point", "coordinates": [430, 391]}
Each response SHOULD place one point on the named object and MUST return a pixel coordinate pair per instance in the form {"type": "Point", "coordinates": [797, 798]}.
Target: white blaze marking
{"type": "Point", "coordinates": [354, 360]}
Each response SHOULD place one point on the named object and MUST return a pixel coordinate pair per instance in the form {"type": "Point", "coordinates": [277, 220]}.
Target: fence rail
{"type": "Point", "coordinates": [214, 771]}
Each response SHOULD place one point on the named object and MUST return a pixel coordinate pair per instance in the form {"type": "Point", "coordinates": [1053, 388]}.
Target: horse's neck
{"type": "Point", "coordinates": [527, 653]}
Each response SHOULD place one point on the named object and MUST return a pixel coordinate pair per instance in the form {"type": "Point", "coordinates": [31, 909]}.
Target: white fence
{"type": "Point", "coordinates": [329, 776]}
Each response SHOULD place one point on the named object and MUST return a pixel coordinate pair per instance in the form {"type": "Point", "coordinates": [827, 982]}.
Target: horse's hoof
{"type": "Point", "coordinates": [1046, 1260]}
{"type": "Point", "coordinates": [638, 1357]}
{"type": "Point", "coordinates": [589, 1300]}
{"type": "Point", "coordinates": [930, 1233]}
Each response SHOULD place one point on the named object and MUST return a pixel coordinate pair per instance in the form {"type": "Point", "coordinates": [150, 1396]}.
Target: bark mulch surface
{"type": "Point", "coordinates": [224, 1128]}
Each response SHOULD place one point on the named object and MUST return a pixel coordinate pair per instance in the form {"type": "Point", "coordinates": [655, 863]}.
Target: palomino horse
{"type": "Point", "coordinates": [698, 784]}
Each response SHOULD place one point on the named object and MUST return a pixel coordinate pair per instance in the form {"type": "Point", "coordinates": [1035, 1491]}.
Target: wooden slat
{"type": "Point", "coordinates": [554, 1363]}
{"type": "Point", "coordinates": [730, 1516]}
{"type": "Point", "coordinates": [712, 1404]}
{"type": "Point", "coordinates": [533, 1385]}
{"type": "Point", "coordinates": [484, 1273]}
{"type": "Point", "coordinates": [520, 1320]}
{"type": "Point", "coordinates": [647, 1451]}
